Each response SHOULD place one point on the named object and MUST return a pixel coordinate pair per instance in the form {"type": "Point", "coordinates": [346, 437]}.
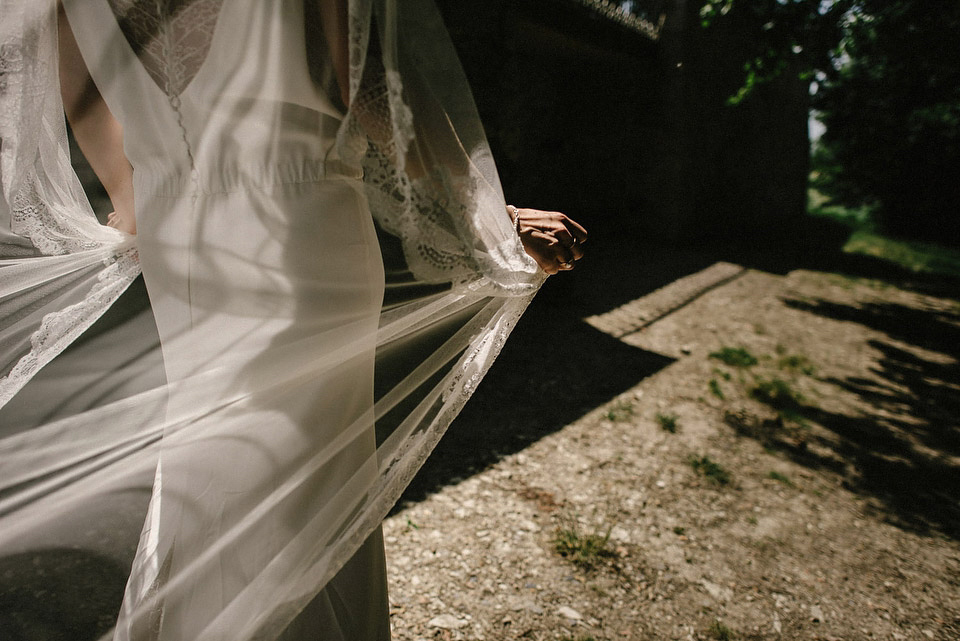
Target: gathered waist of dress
{"type": "Point", "coordinates": [224, 177]}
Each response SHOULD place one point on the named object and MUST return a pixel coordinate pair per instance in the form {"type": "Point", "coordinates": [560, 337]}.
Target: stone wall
{"type": "Point", "coordinates": [627, 133]}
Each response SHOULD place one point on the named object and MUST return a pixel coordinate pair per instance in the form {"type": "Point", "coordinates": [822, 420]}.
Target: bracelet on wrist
{"type": "Point", "coordinates": [515, 215]}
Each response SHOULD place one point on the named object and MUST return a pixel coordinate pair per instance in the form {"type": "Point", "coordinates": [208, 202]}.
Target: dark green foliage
{"type": "Point", "coordinates": [892, 113]}
{"type": "Point", "coordinates": [583, 550]}
{"type": "Point", "coordinates": [797, 363]}
{"type": "Point", "coordinates": [668, 422]}
{"type": "Point", "coordinates": [885, 76]}
{"type": "Point", "coordinates": [720, 632]}
{"type": "Point", "coordinates": [715, 388]}
{"type": "Point", "coordinates": [777, 476]}
{"type": "Point", "coordinates": [619, 412]}
{"type": "Point", "coordinates": [778, 394]}
{"type": "Point", "coordinates": [785, 36]}
{"type": "Point", "coordinates": [735, 356]}
{"type": "Point", "coordinates": [710, 469]}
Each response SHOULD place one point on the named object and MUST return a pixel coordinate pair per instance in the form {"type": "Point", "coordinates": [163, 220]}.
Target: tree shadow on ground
{"type": "Point", "coordinates": [556, 368]}
{"type": "Point", "coordinates": [905, 451]}
{"type": "Point", "coordinates": [817, 244]}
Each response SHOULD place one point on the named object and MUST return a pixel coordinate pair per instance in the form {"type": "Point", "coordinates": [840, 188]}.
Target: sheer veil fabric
{"type": "Point", "coordinates": [329, 286]}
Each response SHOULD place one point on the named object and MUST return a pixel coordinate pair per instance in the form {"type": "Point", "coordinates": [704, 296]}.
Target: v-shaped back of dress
{"type": "Point", "coordinates": [200, 83]}
{"type": "Point", "coordinates": [231, 139]}
{"type": "Point", "coordinates": [171, 39]}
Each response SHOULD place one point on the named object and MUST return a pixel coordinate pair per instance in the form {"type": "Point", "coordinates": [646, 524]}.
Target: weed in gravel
{"type": "Point", "coordinates": [769, 432]}
{"type": "Point", "coordinates": [797, 363]}
{"type": "Point", "coordinates": [778, 394]}
{"type": "Point", "coordinates": [710, 469]}
{"type": "Point", "coordinates": [734, 356]}
{"type": "Point", "coordinates": [679, 531]}
{"type": "Point", "coordinates": [668, 422]}
{"type": "Point", "coordinates": [620, 411]}
{"type": "Point", "coordinates": [721, 373]}
{"type": "Point", "coordinates": [720, 632]}
{"type": "Point", "coordinates": [584, 550]}
{"type": "Point", "coordinates": [777, 476]}
{"type": "Point", "coordinates": [715, 388]}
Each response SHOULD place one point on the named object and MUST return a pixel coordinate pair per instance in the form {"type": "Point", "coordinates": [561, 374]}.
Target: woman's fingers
{"type": "Point", "coordinates": [569, 242]}
{"type": "Point", "coordinates": [551, 239]}
{"type": "Point", "coordinates": [549, 253]}
{"type": "Point", "coordinates": [575, 229]}
{"type": "Point", "coordinates": [541, 246]}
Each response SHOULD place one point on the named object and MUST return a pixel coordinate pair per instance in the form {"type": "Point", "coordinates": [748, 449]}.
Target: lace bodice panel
{"type": "Point", "coordinates": [170, 37]}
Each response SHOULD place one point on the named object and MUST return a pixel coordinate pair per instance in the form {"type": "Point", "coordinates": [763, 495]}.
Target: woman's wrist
{"type": "Point", "coordinates": [515, 217]}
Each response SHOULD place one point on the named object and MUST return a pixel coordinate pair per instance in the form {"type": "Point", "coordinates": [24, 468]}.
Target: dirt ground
{"type": "Point", "coordinates": [811, 494]}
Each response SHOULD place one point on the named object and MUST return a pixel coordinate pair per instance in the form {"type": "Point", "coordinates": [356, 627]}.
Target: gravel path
{"type": "Point", "coordinates": [809, 495]}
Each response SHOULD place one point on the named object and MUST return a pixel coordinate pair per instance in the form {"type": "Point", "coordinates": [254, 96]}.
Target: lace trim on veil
{"type": "Point", "coordinates": [58, 330]}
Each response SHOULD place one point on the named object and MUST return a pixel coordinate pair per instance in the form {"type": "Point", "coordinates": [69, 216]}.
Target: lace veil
{"type": "Point", "coordinates": [457, 281]}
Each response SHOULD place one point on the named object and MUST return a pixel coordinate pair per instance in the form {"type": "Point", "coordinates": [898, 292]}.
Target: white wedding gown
{"type": "Point", "coordinates": [306, 381]}
{"type": "Point", "coordinates": [252, 238]}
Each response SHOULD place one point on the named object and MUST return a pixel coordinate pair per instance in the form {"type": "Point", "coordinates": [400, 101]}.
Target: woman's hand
{"type": "Point", "coordinates": [122, 220]}
{"type": "Point", "coordinates": [549, 237]}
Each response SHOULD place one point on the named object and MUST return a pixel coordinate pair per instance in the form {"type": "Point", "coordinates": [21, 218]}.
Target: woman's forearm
{"type": "Point", "coordinates": [98, 133]}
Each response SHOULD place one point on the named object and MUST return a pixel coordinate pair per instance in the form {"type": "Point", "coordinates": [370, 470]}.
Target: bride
{"type": "Point", "coordinates": [306, 189]}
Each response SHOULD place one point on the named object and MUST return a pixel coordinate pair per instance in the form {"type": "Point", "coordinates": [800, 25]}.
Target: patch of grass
{"type": "Point", "coordinates": [797, 363]}
{"type": "Point", "coordinates": [715, 388]}
{"type": "Point", "coordinates": [721, 373]}
{"type": "Point", "coordinates": [720, 632]}
{"type": "Point", "coordinates": [777, 476]}
{"type": "Point", "coordinates": [620, 411]}
{"type": "Point", "coordinates": [668, 422]}
{"type": "Point", "coordinates": [911, 255]}
{"type": "Point", "coordinates": [778, 394]}
{"type": "Point", "coordinates": [584, 550]}
{"type": "Point", "coordinates": [793, 416]}
{"type": "Point", "coordinates": [711, 470]}
{"type": "Point", "coordinates": [820, 206]}
{"type": "Point", "coordinates": [734, 356]}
